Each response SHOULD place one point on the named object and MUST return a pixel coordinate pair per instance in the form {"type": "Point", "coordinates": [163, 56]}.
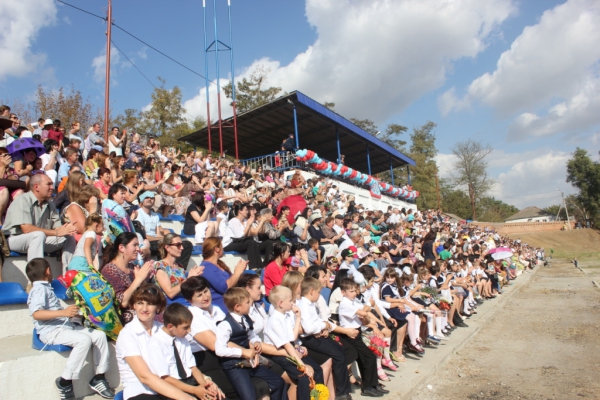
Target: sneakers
{"type": "Point", "coordinates": [371, 392]}
{"type": "Point", "coordinates": [101, 387]}
{"type": "Point", "coordinates": [65, 392]}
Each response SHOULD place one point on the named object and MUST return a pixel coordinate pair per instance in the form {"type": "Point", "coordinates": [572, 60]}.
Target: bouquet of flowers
{"type": "Point", "coordinates": [444, 304]}
{"type": "Point", "coordinates": [320, 392]}
{"type": "Point", "coordinates": [430, 291]}
{"type": "Point", "coordinates": [336, 338]}
{"type": "Point", "coordinates": [375, 344]}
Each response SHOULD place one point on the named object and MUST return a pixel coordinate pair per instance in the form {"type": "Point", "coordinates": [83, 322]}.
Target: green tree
{"type": "Point", "coordinates": [130, 120]}
{"type": "Point", "coordinates": [490, 209]}
{"type": "Point", "coordinates": [165, 116]}
{"type": "Point", "coordinates": [584, 174]}
{"type": "Point", "coordinates": [471, 170]}
{"type": "Point", "coordinates": [252, 93]}
{"type": "Point", "coordinates": [366, 125]}
{"type": "Point", "coordinates": [454, 201]}
{"type": "Point", "coordinates": [423, 151]}
{"type": "Point", "coordinates": [329, 105]}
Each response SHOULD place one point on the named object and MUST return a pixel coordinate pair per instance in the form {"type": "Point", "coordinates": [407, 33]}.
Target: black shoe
{"type": "Point", "coordinates": [370, 392]}
{"type": "Point", "coordinates": [65, 392]}
{"type": "Point", "coordinates": [462, 325]}
{"type": "Point", "coordinates": [380, 388]}
{"type": "Point", "coordinates": [101, 387]}
{"type": "Point", "coordinates": [343, 397]}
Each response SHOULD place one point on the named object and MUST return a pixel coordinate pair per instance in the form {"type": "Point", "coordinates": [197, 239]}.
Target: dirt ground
{"type": "Point", "coordinates": [544, 344]}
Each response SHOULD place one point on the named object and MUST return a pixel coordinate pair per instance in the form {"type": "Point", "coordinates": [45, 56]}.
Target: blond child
{"type": "Point", "coordinates": [87, 247]}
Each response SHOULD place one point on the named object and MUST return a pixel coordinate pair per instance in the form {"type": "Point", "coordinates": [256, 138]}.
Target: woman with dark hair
{"type": "Point", "coordinates": [196, 290]}
{"type": "Point", "coordinates": [218, 274]}
{"type": "Point", "coordinates": [277, 267]}
{"type": "Point", "coordinates": [427, 248]}
{"type": "Point", "coordinates": [103, 182]}
{"type": "Point", "coordinates": [197, 217]}
{"type": "Point", "coordinates": [240, 238]}
{"type": "Point", "coordinates": [139, 383]}
{"type": "Point", "coordinates": [91, 164]}
{"type": "Point", "coordinates": [171, 190]}
{"type": "Point", "coordinates": [265, 233]}
{"type": "Point", "coordinates": [120, 273]}
{"type": "Point", "coordinates": [168, 274]}
{"type": "Point", "coordinates": [49, 160]}
{"type": "Point", "coordinates": [315, 232]}
{"type": "Point", "coordinates": [116, 173]}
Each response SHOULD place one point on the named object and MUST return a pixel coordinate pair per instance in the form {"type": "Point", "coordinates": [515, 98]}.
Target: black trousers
{"type": "Point", "coordinates": [186, 254]}
{"type": "Point", "coordinates": [302, 381]}
{"type": "Point", "coordinates": [337, 354]}
{"type": "Point", "coordinates": [367, 361]}
{"type": "Point", "coordinates": [250, 247]}
{"type": "Point", "coordinates": [266, 246]}
{"type": "Point", "coordinates": [208, 363]}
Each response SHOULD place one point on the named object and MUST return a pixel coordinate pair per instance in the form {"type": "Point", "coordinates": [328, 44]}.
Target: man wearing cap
{"type": "Point", "coordinates": [151, 223]}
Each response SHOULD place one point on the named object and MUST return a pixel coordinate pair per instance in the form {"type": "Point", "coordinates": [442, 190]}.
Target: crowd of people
{"type": "Point", "coordinates": [332, 294]}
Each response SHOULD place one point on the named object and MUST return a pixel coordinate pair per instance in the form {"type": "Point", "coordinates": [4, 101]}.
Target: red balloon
{"type": "Point", "coordinates": [353, 175]}
{"type": "Point", "coordinates": [344, 169]}
{"type": "Point", "coordinates": [309, 154]}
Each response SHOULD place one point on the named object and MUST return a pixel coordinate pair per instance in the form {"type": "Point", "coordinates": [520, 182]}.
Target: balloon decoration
{"type": "Point", "coordinates": [339, 170]}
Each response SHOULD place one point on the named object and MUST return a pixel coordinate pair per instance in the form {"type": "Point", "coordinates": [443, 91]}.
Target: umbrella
{"type": "Point", "coordinates": [21, 145]}
{"type": "Point", "coordinates": [5, 123]}
{"type": "Point", "coordinates": [500, 253]}
{"type": "Point", "coordinates": [296, 204]}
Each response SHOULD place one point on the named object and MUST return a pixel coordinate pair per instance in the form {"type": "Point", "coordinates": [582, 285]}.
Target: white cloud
{"type": "Point", "coordinates": [373, 58]}
{"type": "Point", "coordinates": [551, 61]}
{"type": "Point", "coordinates": [99, 65]}
{"type": "Point", "coordinates": [19, 29]}
{"type": "Point", "coordinates": [196, 106]}
{"type": "Point", "coordinates": [578, 113]}
{"type": "Point", "coordinates": [527, 178]}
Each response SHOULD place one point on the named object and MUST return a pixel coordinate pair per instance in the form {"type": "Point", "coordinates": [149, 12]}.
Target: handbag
{"type": "Point", "coordinates": [320, 198]}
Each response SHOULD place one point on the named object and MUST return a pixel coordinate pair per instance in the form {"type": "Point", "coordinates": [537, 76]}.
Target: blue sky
{"type": "Point", "coordinates": [521, 76]}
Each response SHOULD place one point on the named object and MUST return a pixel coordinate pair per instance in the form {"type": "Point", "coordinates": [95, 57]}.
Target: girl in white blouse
{"type": "Point", "coordinates": [138, 382]}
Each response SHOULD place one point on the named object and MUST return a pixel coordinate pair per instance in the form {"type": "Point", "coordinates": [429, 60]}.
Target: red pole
{"type": "Point", "coordinates": [235, 130]}
{"type": "Point", "coordinates": [107, 84]}
{"type": "Point", "coordinates": [220, 124]}
{"type": "Point", "coordinates": [208, 123]}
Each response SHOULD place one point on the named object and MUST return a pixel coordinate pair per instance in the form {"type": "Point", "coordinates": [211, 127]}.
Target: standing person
{"type": "Point", "coordinates": [33, 225]}
{"type": "Point", "coordinates": [53, 325]}
{"type": "Point", "coordinates": [115, 141]}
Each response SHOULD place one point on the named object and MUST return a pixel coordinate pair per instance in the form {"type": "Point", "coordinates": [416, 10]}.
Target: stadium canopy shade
{"type": "Point", "coordinates": [262, 130]}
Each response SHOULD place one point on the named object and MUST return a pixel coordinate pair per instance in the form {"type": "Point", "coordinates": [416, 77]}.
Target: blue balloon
{"type": "Point", "coordinates": [301, 153]}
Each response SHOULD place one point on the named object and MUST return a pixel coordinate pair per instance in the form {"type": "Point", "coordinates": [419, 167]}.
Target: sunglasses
{"type": "Point", "coordinates": [178, 245]}
{"type": "Point", "coordinates": [153, 290]}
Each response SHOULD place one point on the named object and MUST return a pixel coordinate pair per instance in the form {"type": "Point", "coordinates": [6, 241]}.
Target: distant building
{"type": "Point", "coordinates": [531, 214]}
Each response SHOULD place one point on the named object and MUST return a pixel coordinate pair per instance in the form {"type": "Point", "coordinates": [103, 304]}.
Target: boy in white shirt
{"type": "Point", "coordinates": [316, 335]}
{"type": "Point", "coordinates": [237, 329]}
{"type": "Point", "coordinates": [282, 330]}
{"type": "Point", "coordinates": [170, 357]}
{"type": "Point", "coordinates": [353, 314]}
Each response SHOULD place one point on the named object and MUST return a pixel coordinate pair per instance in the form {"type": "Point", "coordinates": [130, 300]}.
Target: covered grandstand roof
{"type": "Point", "coordinates": [261, 131]}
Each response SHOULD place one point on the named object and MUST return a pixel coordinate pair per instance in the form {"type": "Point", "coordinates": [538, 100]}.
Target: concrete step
{"type": "Point", "coordinates": [26, 373]}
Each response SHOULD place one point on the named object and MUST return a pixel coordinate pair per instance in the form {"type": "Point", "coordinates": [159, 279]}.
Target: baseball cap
{"type": "Point", "coordinates": [347, 253]}
{"type": "Point", "coordinates": [375, 249]}
{"type": "Point", "coordinates": [146, 194]}
{"type": "Point", "coordinates": [353, 250]}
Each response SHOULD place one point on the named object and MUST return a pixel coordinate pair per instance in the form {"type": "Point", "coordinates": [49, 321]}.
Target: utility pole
{"type": "Point", "coordinates": [107, 84]}
{"type": "Point", "coordinates": [564, 204]}
{"type": "Point", "coordinates": [437, 191]}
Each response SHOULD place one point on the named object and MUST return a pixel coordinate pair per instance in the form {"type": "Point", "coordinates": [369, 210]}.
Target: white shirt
{"type": "Point", "coordinates": [161, 355]}
{"type": "Point", "coordinates": [203, 320]}
{"type": "Point", "coordinates": [347, 312]}
{"type": "Point", "coordinates": [258, 315]}
{"type": "Point", "coordinates": [311, 321]}
{"type": "Point", "coordinates": [353, 272]}
{"type": "Point", "coordinates": [133, 341]}
{"type": "Point", "coordinates": [334, 300]}
{"type": "Point", "coordinates": [279, 329]}
{"type": "Point", "coordinates": [237, 228]}
{"type": "Point", "coordinates": [223, 335]}
{"type": "Point", "coordinates": [149, 222]}
{"type": "Point", "coordinates": [79, 250]}
{"type": "Point", "coordinates": [323, 308]}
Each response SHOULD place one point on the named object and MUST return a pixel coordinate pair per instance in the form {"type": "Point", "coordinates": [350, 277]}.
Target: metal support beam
{"type": "Point", "coordinates": [337, 139]}
{"type": "Point", "coordinates": [295, 125]}
{"type": "Point", "coordinates": [392, 171]}
{"type": "Point", "coordinates": [408, 173]}
{"type": "Point", "coordinates": [368, 160]}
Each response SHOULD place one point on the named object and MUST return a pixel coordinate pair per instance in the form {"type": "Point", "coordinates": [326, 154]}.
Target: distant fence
{"type": "Point", "coordinates": [524, 227]}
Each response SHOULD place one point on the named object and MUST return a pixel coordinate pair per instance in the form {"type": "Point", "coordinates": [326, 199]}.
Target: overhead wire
{"type": "Point", "coordinates": [131, 62]}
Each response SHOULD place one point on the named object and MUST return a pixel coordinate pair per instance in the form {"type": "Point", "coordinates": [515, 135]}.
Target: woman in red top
{"type": "Point", "coordinates": [277, 268]}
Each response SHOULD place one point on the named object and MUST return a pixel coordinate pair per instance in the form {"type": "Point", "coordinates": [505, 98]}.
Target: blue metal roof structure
{"type": "Point", "coordinates": [262, 130]}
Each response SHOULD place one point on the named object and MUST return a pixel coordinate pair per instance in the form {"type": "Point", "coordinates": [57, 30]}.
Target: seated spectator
{"type": "Point", "coordinates": [218, 274]}
{"type": "Point", "coordinates": [277, 268]}
{"type": "Point", "coordinates": [169, 274]}
{"type": "Point", "coordinates": [50, 158]}
{"type": "Point", "coordinates": [120, 272]}
{"type": "Point", "coordinates": [84, 258]}
{"type": "Point", "coordinates": [12, 187]}
{"type": "Point", "coordinates": [23, 162]}
{"type": "Point", "coordinates": [240, 238]}
{"type": "Point", "coordinates": [33, 225]}
{"type": "Point", "coordinates": [116, 172]}
{"type": "Point", "coordinates": [53, 325]}
{"type": "Point", "coordinates": [103, 182]}
{"type": "Point", "coordinates": [85, 203]}
{"type": "Point", "coordinates": [266, 234]}
{"type": "Point", "coordinates": [134, 188]}
{"type": "Point", "coordinates": [315, 232]}
{"type": "Point", "coordinates": [116, 219]}
{"type": "Point", "coordinates": [151, 185]}
{"type": "Point", "coordinates": [173, 203]}
{"type": "Point", "coordinates": [91, 164]}
{"type": "Point", "coordinates": [71, 158]}
{"type": "Point", "coordinates": [197, 219]}
{"type": "Point", "coordinates": [139, 383]}
{"type": "Point", "coordinates": [71, 186]}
